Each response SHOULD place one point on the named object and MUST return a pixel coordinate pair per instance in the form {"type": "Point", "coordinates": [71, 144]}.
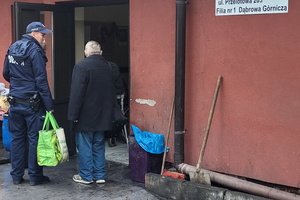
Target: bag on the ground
{"type": "Point", "coordinates": [52, 148]}
{"type": "Point", "coordinates": [6, 135]}
{"type": "Point", "coordinates": [150, 142]}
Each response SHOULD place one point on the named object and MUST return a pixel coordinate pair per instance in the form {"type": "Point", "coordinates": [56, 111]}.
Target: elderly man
{"type": "Point", "coordinates": [29, 98]}
{"type": "Point", "coordinates": [91, 105]}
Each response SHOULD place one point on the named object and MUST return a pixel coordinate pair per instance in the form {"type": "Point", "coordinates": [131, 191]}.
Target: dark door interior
{"type": "Point", "coordinates": [61, 55]}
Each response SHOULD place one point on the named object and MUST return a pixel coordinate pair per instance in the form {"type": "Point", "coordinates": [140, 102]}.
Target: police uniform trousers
{"type": "Point", "coordinates": [23, 124]}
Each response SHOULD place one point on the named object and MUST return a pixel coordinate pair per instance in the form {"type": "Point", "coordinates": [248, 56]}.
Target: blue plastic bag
{"type": "Point", "coordinates": [6, 135]}
{"type": "Point", "coordinates": [150, 142]}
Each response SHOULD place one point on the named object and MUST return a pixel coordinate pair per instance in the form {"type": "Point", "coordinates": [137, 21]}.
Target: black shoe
{"type": "Point", "coordinates": [44, 179]}
{"type": "Point", "coordinates": [17, 182]}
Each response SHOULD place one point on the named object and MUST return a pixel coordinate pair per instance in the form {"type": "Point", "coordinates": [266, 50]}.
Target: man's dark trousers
{"type": "Point", "coordinates": [23, 122]}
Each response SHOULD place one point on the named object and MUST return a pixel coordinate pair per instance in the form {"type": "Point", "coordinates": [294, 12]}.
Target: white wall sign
{"type": "Point", "coordinates": [250, 7]}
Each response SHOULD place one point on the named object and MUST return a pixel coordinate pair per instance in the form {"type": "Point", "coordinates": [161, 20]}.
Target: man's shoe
{"type": "Point", "coordinates": [44, 179]}
{"type": "Point", "coordinates": [77, 178]}
{"type": "Point", "coordinates": [100, 181]}
{"type": "Point", "coordinates": [17, 182]}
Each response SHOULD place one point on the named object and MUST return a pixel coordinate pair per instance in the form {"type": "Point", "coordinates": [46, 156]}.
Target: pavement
{"type": "Point", "coordinates": [118, 184]}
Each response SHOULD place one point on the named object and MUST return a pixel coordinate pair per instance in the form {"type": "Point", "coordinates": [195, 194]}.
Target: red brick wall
{"type": "Point", "coordinates": [255, 129]}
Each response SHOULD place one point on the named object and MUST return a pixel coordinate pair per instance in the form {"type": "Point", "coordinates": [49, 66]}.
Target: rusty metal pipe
{"type": "Point", "coordinates": [241, 185]}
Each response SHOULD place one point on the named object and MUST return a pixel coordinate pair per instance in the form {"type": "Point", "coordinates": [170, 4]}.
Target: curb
{"type": "Point", "coordinates": [184, 190]}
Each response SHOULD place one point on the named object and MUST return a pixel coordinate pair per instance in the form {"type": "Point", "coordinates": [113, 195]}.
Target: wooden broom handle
{"type": "Point", "coordinates": [208, 124]}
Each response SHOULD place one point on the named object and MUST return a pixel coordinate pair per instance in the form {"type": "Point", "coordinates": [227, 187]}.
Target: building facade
{"type": "Point", "coordinates": [255, 128]}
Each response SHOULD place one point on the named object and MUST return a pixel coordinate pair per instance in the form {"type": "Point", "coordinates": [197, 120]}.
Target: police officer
{"type": "Point", "coordinates": [29, 98]}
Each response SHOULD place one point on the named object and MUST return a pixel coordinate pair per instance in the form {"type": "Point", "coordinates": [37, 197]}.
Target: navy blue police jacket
{"type": "Point", "coordinates": [25, 70]}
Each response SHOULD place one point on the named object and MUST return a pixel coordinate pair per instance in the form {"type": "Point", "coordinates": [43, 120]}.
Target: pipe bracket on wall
{"type": "Point", "coordinates": [179, 132]}
{"type": "Point", "coordinates": [182, 2]}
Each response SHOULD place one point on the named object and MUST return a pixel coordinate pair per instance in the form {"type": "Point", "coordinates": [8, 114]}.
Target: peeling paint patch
{"type": "Point", "coordinates": [146, 101]}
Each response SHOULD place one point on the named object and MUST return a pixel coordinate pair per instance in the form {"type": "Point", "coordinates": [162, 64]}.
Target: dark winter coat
{"type": "Point", "coordinates": [92, 94]}
{"type": "Point", "coordinates": [25, 70]}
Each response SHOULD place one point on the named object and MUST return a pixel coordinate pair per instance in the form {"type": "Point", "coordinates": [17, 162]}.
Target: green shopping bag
{"type": "Point", "coordinates": [48, 149]}
{"type": "Point", "coordinates": [60, 133]}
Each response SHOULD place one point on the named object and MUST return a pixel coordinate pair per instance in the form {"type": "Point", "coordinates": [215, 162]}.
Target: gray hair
{"type": "Point", "coordinates": [92, 48]}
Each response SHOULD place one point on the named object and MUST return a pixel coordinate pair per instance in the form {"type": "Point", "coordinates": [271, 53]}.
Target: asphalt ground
{"type": "Point", "coordinates": [61, 186]}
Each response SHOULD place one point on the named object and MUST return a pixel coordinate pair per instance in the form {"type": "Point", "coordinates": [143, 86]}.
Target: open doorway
{"type": "Point", "coordinates": [74, 23]}
{"type": "Point", "coordinates": [109, 26]}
